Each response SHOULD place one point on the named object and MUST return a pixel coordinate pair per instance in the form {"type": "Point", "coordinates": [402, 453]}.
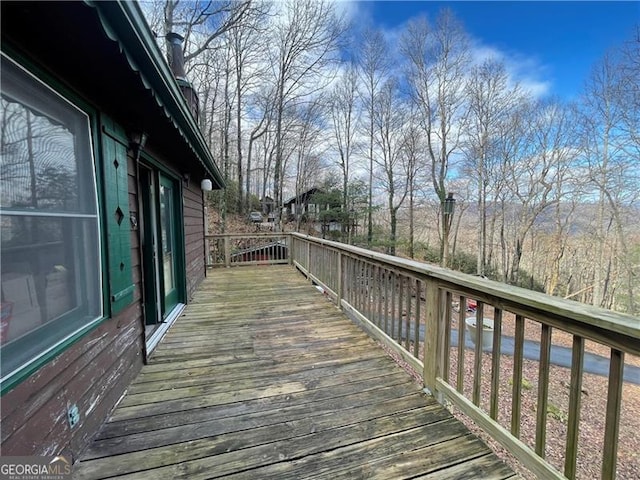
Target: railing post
{"type": "Point", "coordinates": [207, 255]}
{"type": "Point", "coordinates": [308, 265]}
{"type": "Point", "coordinates": [290, 249]}
{"type": "Point", "coordinates": [227, 251]}
{"type": "Point", "coordinates": [432, 318]}
{"type": "Point", "coordinates": [339, 291]}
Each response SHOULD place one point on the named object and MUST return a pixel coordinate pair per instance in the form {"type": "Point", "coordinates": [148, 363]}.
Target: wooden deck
{"type": "Point", "coordinates": [262, 377]}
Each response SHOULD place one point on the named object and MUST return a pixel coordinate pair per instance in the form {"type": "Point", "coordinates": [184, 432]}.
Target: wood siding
{"type": "Point", "coordinates": [194, 236]}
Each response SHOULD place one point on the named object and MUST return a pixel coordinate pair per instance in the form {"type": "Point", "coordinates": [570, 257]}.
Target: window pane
{"type": "Point", "coordinates": [50, 275]}
{"type": "Point", "coordinates": [46, 281]}
{"type": "Point", "coordinates": [38, 166]}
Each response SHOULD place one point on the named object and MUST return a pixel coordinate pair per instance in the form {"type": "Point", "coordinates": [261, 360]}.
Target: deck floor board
{"type": "Point", "coordinates": [262, 377]}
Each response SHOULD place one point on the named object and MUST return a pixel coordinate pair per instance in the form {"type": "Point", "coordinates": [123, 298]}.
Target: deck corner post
{"type": "Point", "coordinates": [227, 251]}
{"type": "Point", "coordinates": [290, 249]}
{"type": "Point", "coordinates": [431, 336]}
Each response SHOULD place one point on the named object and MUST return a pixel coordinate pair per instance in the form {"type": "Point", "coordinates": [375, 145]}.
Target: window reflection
{"type": "Point", "coordinates": [38, 168]}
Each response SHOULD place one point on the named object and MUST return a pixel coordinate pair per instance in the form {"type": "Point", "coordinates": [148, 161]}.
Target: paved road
{"type": "Point", "coordinates": [560, 356]}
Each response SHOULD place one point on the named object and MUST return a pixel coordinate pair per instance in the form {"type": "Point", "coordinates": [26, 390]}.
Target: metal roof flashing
{"type": "Point", "coordinates": [124, 23]}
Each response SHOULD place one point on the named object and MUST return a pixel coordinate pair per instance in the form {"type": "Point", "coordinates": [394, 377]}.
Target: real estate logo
{"type": "Point", "coordinates": [35, 468]}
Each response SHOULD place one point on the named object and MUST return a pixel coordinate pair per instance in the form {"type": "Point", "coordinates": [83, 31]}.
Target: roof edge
{"type": "Point", "coordinates": [125, 23]}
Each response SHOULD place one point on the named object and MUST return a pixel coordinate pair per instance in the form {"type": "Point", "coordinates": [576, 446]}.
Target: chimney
{"type": "Point", "coordinates": [176, 62]}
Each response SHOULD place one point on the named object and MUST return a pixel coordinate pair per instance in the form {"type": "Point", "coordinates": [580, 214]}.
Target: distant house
{"type": "Point", "coordinates": [301, 205]}
{"type": "Point", "coordinates": [101, 208]}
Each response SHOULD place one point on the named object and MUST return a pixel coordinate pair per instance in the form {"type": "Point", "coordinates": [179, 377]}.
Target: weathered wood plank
{"type": "Point", "coordinates": [277, 384]}
{"type": "Point", "coordinates": [227, 454]}
{"type": "Point", "coordinates": [302, 403]}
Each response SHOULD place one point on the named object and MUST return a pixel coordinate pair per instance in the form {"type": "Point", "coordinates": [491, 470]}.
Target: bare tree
{"type": "Point", "coordinates": [389, 116]}
{"type": "Point", "coordinates": [304, 41]}
{"type": "Point", "coordinates": [412, 148]}
{"type": "Point", "coordinates": [612, 157]}
{"type": "Point", "coordinates": [201, 23]}
{"type": "Point", "coordinates": [490, 100]}
{"type": "Point", "coordinates": [374, 68]}
{"type": "Point", "coordinates": [437, 62]}
{"type": "Point", "coordinates": [343, 108]}
{"type": "Point", "coordinates": [248, 50]}
{"type": "Point", "coordinates": [533, 173]}
{"type": "Point", "coordinates": [308, 132]}
{"type": "Point", "coordinates": [264, 106]}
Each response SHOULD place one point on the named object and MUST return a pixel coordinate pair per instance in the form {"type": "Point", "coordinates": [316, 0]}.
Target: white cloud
{"type": "Point", "coordinates": [527, 71]}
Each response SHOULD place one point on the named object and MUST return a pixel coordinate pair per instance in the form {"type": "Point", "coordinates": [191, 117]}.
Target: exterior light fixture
{"type": "Point", "coordinates": [449, 204]}
{"type": "Point", "coordinates": [137, 141]}
{"type": "Point", "coordinates": [206, 185]}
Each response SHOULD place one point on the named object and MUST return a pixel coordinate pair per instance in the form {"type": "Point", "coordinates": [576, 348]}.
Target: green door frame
{"type": "Point", "coordinates": [157, 304]}
{"type": "Point", "coordinates": [169, 241]}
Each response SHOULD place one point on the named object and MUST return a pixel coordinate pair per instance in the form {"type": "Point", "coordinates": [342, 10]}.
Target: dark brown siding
{"type": "Point", "coordinates": [92, 374]}
{"type": "Point", "coordinates": [194, 236]}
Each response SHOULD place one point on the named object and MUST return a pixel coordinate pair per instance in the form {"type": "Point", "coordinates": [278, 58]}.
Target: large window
{"type": "Point", "coordinates": [49, 231]}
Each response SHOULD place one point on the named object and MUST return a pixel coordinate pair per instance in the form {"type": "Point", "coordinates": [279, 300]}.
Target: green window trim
{"type": "Point", "coordinates": [24, 372]}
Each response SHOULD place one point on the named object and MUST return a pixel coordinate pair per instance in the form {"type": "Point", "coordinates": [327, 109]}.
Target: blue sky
{"type": "Point", "coordinates": [549, 46]}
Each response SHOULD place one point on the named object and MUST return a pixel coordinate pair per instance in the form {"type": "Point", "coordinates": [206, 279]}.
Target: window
{"type": "Point", "coordinates": [49, 230]}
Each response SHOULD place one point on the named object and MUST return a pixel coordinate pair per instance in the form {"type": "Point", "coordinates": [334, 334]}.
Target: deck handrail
{"type": "Point", "coordinates": [408, 305]}
{"type": "Point", "coordinates": [224, 250]}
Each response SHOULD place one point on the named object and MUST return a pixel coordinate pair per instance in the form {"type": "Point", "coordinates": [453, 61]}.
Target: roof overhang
{"type": "Point", "coordinates": [106, 53]}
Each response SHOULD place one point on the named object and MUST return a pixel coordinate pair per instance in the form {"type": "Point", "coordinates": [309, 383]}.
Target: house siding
{"type": "Point", "coordinates": [193, 210]}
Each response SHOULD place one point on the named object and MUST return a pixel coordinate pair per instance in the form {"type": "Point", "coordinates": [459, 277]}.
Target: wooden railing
{"type": "Point", "coordinates": [246, 249]}
{"type": "Point", "coordinates": [426, 313]}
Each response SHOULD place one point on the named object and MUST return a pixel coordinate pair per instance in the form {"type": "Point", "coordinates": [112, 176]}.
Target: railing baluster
{"type": "Point", "coordinates": [516, 399]}
{"type": "Point", "coordinates": [339, 279]}
{"type": "Point", "coordinates": [356, 280]}
{"type": "Point", "coordinates": [477, 359]}
{"type": "Point", "coordinates": [227, 251]}
{"type": "Point", "coordinates": [496, 345]}
{"type": "Point", "coordinates": [462, 313]}
{"type": "Point", "coordinates": [407, 323]}
{"type": "Point", "coordinates": [444, 307]}
{"type": "Point", "coordinates": [394, 282]}
{"type": "Point", "coordinates": [363, 288]}
{"type": "Point", "coordinates": [575, 398]}
{"type": "Point", "coordinates": [431, 336]}
{"type": "Point", "coordinates": [416, 323]}
{"type": "Point", "coordinates": [543, 390]}
{"type": "Point", "coordinates": [612, 419]}
{"type": "Point", "coordinates": [386, 301]}
{"type": "Point", "coordinates": [368, 270]}
{"type": "Point", "coordinates": [379, 288]}
{"type": "Point", "coordinates": [401, 280]}
{"type": "Point", "coordinates": [347, 278]}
